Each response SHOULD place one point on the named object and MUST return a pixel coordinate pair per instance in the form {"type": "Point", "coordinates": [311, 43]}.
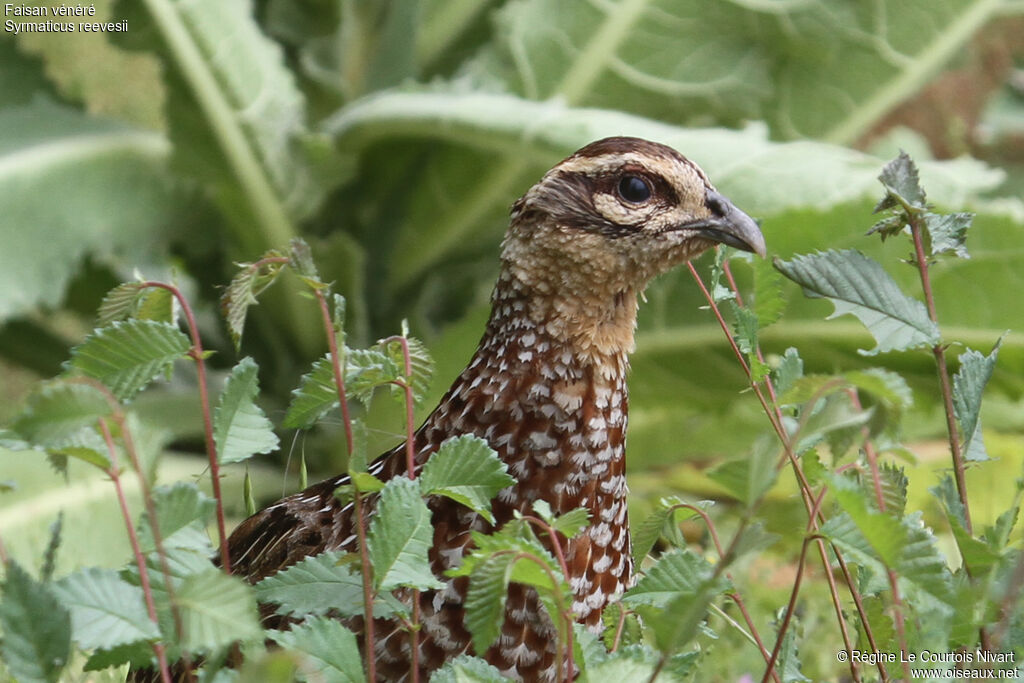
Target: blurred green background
{"type": "Point", "coordinates": [394, 136]}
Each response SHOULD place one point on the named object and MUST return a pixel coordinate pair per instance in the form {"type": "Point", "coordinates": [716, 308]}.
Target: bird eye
{"type": "Point", "coordinates": [634, 189]}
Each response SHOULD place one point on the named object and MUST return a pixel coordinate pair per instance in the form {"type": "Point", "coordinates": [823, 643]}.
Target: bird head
{"type": "Point", "coordinates": [599, 225]}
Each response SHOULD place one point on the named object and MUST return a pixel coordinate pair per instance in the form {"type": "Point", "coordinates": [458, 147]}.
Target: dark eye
{"type": "Point", "coordinates": [634, 189]}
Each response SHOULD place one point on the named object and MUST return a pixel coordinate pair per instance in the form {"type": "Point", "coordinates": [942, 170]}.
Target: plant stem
{"type": "Point", "coordinates": [339, 375]}
{"type": "Point", "coordinates": [197, 354]}
{"type": "Point", "coordinates": [140, 562]}
{"type": "Point", "coordinates": [556, 545]}
{"type": "Point", "coordinates": [364, 559]}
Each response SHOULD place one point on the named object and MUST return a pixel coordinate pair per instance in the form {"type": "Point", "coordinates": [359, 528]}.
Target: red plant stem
{"type": "Point", "coordinates": [339, 378]}
{"type": "Point", "coordinates": [196, 353]}
{"type": "Point", "coordinates": [939, 351]}
{"type": "Point", "coordinates": [619, 628]}
{"type": "Point", "coordinates": [789, 608]}
{"type": "Point", "coordinates": [364, 559]}
{"type": "Point", "coordinates": [140, 562]}
{"type": "Point", "coordinates": [410, 465]}
{"type": "Point", "coordinates": [805, 488]}
{"type": "Point", "coordinates": [560, 556]}
{"type": "Point", "coordinates": [733, 595]}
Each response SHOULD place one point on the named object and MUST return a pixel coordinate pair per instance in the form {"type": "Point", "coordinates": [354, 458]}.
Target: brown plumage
{"type": "Point", "coordinates": [546, 388]}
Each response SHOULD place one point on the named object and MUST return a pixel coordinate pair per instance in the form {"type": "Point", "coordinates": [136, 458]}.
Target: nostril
{"type": "Point", "coordinates": [717, 204]}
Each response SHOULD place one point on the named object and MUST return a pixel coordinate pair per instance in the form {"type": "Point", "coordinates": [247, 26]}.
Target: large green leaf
{"type": "Point", "coordinates": [467, 470]}
{"type": "Point", "coordinates": [114, 190]}
{"type": "Point", "coordinates": [106, 611]}
{"type": "Point", "coordinates": [329, 648]}
{"type": "Point", "coordinates": [240, 428]}
{"type": "Point", "coordinates": [216, 610]}
{"type": "Point", "coordinates": [37, 628]}
{"type": "Point", "coordinates": [400, 537]}
{"type": "Point", "coordinates": [129, 354]}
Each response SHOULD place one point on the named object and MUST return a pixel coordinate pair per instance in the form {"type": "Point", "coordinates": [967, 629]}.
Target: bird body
{"type": "Point", "coordinates": [546, 388]}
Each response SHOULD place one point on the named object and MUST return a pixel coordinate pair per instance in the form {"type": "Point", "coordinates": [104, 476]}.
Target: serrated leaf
{"type": "Point", "coordinates": [749, 478]}
{"type": "Point", "coordinates": [789, 663]}
{"type": "Point", "coordinates": [467, 470]}
{"type": "Point", "coordinates": [367, 369]}
{"type": "Point", "coordinates": [157, 303]}
{"type": "Point", "coordinates": [62, 418]}
{"type": "Point", "coordinates": [894, 488]}
{"type": "Point", "coordinates": [788, 370]}
{"type": "Point", "coordinates": [240, 428]}
{"type": "Point", "coordinates": [320, 584]}
{"type": "Point", "coordinates": [366, 482]}
{"type": "Point", "coordinates": [119, 303]}
{"type": "Point", "coordinates": [339, 320]}
{"type": "Point", "coordinates": [769, 301]}
{"type": "Point", "coordinates": [421, 364]}
{"type": "Point", "coordinates": [50, 554]}
{"type": "Point", "coordinates": [976, 554]}
{"type": "Point", "coordinates": [330, 649]}
{"type": "Point", "coordinates": [882, 531]}
{"type": "Point", "coordinates": [745, 329]}
{"type": "Point", "coordinates": [216, 610]}
{"type": "Point", "coordinates": [572, 523]}
{"type": "Point", "coordinates": [677, 573]}
{"type": "Point", "coordinates": [182, 511]}
{"type": "Point", "coordinates": [947, 232]}
{"type": "Point", "coordinates": [106, 611]}
{"type": "Point", "coordinates": [486, 596]}
{"type": "Point", "coordinates": [968, 386]}
{"type": "Point", "coordinates": [400, 537]}
{"type": "Point", "coordinates": [858, 285]}
{"type": "Point", "coordinates": [241, 293]}
{"type": "Point", "coordinates": [138, 654]}
{"type": "Point", "coordinates": [33, 648]}
{"type": "Point", "coordinates": [129, 354]}
{"type": "Point", "coordinates": [467, 669]}
{"type": "Point", "coordinates": [300, 257]}
{"type": "Point", "coordinates": [901, 181]}
{"type": "Point", "coordinates": [316, 394]}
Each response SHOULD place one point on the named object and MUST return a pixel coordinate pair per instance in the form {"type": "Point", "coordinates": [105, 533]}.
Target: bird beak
{"type": "Point", "coordinates": [729, 225]}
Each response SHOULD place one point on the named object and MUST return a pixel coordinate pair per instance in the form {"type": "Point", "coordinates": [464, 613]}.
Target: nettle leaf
{"type": "Point", "coordinates": [106, 610]}
{"type": "Point", "coordinates": [242, 292]}
{"type": "Point", "coordinates": [421, 364]}
{"type": "Point", "coordinates": [367, 369]}
{"type": "Point", "coordinates": [947, 232]}
{"type": "Point", "coordinates": [240, 428]}
{"type": "Point", "coordinates": [119, 303]}
{"type": "Point", "coordinates": [769, 301]}
{"type": "Point", "coordinates": [882, 531]}
{"type": "Point", "coordinates": [328, 647]}
{"type": "Point", "coordinates": [789, 369]}
{"type": "Point", "coordinates": [36, 627]}
{"type": "Point", "coordinates": [319, 584]}
{"type": "Point", "coordinates": [902, 183]}
{"type": "Point", "coordinates": [486, 597]}
{"type": "Point", "coordinates": [676, 574]}
{"type": "Point", "coordinates": [316, 394]}
{"type": "Point", "coordinates": [400, 536]}
{"type": "Point", "coordinates": [749, 478]}
{"type": "Point", "coordinates": [745, 329]}
{"type": "Point", "coordinates": [467, 470]}
{"type": "Point", "coordinates": [894, 488]}
{"type": "Point", "coordinates": [968, 386]}
{"type": "Point", "coordinates": [216, 610]}
{"type": "Point", "coordinates": [60, 414]}
{"type": "Point", "coordinates": [182, 511]}
{"type": "Point", "coordinates": [668, 510]}
{"type": "Point", "coordinates": [129, 354]}
{"type": "Point", "coordinates": [467, 669]}
{"type": "Point", "coordinates": [858, 285]}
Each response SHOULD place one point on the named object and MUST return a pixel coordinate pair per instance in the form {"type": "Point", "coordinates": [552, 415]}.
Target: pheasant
{"type": "Point", "coordinates": [546, 389]}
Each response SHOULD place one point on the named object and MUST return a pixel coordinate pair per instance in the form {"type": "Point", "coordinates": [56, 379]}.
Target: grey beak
{"type": "Point", "coordinates": [729, 225]}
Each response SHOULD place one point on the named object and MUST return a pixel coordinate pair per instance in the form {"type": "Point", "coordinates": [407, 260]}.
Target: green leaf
{"type": "Point", "coordinates": [894, 488]}
{"type": "Point", "coordinates": [241, 293]}
{"type": "Point", "coordinates": [485, 599]}
{"type": "Point", "coordinates": [116, 198]}
{"type": "Point", "coordinates": [947, 232]}
{"type": "Point", "coordinates": [239, 426]}
{"type": "Point", "coordinates": [882, 531]}
{"type": "Point", "coordinates": [367, 369]}
{"type": "Point", "coordinates": [976, 554]}
{"type": "Point", "coordinates": [421, 364]}
{"type": "Point", "coordinates": [36, 627]}
{"type": "Point", "coordinates": [769, 302]}
{"type": "Point", "coordinates": [788, 370]}
{"type": "Point", "coordinates": [329, 649]}
{"type": "Point", "coordinates": [968, 386]}
{"type": "Point", "coordinates": [745, 330]}
{"type": "Point", "coordinates": [319, 584]}
{"type": "Point", "coordinates": [400, 537]}
{"type": "Point", "coordinates": [467, 470]}
{"type": "Point", "coordinates": [749, 478]}
{"type": "Point", "coordinates": [856, 284]}
{"type": "Point", "coordinates": [675, 574]}
{"type": "Point", "coordinates": [902, 183]}
{"type": "Point", "coordinates": [62, 417]}
{"type": "Point", "coordinates": [182, 511]}
{"type": "Point", "coordinates": [467, 669]}
{"type": "Point", "coordinates": [316, 394]}
{"type": "Point", "coordinates": [106, 611]}
{"type": "Point", "coordinates": [216, 610]}
{"type": "Point", "coordinates": [129, 354]}
{"type": "Point", "coordinates": [120, 303]}
{"type": "Point", "coordinates": [789, 662]}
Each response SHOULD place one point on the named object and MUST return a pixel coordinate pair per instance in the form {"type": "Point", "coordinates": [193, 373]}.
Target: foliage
{"type": "Point", "coordinates": [393, 140]}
